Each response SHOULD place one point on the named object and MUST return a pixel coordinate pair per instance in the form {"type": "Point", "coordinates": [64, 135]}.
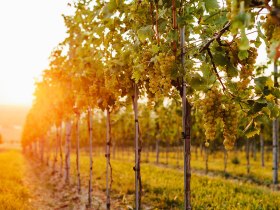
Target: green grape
{"type": "Point", "coordinates": [230, 121]}
{"type": "Point", "coordinates": [160, 75]}
{"type": "Point", "coordinates": [233, 53]}
{"type": "Point", "coordinates": [276, 34]}
{"type": "Point", "coordinates": [228, 3]}
{"type": "Point", "coordinates": [269, 27]}
{"type": "Point", "coordinates": [210, 107]}
{"type": "Point", "coordinates": [247, 68]}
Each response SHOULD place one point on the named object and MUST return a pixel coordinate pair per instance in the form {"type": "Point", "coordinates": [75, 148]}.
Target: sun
{"type": "Point", "coordinates": [29, 34]}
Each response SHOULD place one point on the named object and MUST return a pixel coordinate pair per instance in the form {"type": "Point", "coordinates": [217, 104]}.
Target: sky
{"type": "Point", "coordinates": [29, 30]}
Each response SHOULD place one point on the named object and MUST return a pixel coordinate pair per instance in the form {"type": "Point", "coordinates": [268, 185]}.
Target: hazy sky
{"type": "Point", "coordinates": [29, 30]}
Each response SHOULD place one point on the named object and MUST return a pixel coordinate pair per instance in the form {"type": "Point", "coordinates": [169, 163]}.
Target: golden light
{"type": "Point", "coordinates": [29, 31]}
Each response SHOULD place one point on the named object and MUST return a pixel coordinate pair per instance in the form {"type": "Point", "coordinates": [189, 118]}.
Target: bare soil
{"type": "Point", "coordinates": [49, 191]}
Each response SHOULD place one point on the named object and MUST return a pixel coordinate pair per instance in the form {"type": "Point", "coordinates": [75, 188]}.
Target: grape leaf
{"type": "Point", "coordinates": [220, 59]}
{"type": "Point", "coordinates": [274, 110]}
{"type": "Point", "coordinates": [232, 70]}
{"type": "Point", "coordinates": [198, 83]}
{"type": "Point", "coordinates": [256, 108]}
{"type": "Point", "coordinates": [211, 5]}
{"type": "Point", "coordinates": [252, 132]}
{"type": "Point", "coordinates": [243, 54]}
{"type": "Point", "coordinates": [145, 32]}
{"type": "Point", "coordinates": [260, 83]}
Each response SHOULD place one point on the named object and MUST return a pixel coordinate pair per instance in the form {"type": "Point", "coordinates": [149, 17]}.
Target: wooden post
{"type": "Point", "coordinates": [137, 151]}
{"type": "Point", "coordinates": [78, 153]}
{"type": "Point", "coordinates": [262, 146]}
{"type": "Point", "coordinates": [60, 151]}
{"type": "Point", "coordinates": [186, 126]}
{"type": "Point", "coordinates": [108, 163]}
{"type": "Point", "coordinates": [248, 155]}
{"type": "Point", "coordinates": [225, 161]}
{"type": "Point", "coordinates": [275, 135]}
{"type": "Point", "coordinates": [67, 151]}
{"type": "Point", "coordinates": [90, 157]}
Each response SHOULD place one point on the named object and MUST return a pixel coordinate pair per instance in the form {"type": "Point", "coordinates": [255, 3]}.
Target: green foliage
{"type": "Point", "coordinates": [211, 5]}
{"type": "Point", "coordinates": [113, 45]}
{"type": "Point", "coordinates": [145, 33]}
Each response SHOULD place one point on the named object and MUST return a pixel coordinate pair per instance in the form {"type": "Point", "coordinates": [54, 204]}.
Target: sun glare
{"type": "Point", "coordinates": [28, 34]}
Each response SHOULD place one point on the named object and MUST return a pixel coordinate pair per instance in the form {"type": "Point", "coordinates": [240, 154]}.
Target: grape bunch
{"type": "Point", "coordinates": [272, 33]}
{"type": "Point", "coordinates": [271, 28]}
{"type": "Point", "coordinates": [247, 68]}
{"type": "Point", "coordinates": [230, 121]}
{"type": "Point", "coordinates": [233, 53]}
{"type": "Point", "coordinates": [246, 65]}
{"type": "Point", "coordinates": [232, 8]}
{"type": "Point", "coordinates": [211, 109]}
{"type": "Point", "coordinates": [160, 74]}
{"type": "Point", "coordinates": [215, 108]}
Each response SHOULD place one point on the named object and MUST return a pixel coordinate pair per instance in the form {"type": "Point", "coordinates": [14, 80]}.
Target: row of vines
{"type": "Point", "coordinates": [195, 57]}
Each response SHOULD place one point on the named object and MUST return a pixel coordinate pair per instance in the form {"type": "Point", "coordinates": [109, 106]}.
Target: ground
{"type": "Point", "coordinates": [29, 184]}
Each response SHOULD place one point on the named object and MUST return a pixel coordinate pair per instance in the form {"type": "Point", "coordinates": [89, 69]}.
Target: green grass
{"type": "Point", "coordinates": [13, 194]}
{"type": "Point", "coordinates": [163, 188]}
{"type": "Point", "coordinates": [259, 175]}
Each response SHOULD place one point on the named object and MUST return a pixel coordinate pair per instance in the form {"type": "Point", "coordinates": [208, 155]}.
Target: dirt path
{"type": "Point", "coordinates": [50, 193]}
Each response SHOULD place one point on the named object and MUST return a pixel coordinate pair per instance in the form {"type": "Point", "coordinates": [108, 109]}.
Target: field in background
{"type": "Point", "coordinates": [11, 121]}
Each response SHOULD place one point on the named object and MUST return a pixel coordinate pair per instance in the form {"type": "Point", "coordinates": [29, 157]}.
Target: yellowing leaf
{"type": "Point", "coordinates": [270, 97]}
{"type": "Point", "coordinates": [252, 133]}
{"type": "Point", "coordinates": [269, 83]}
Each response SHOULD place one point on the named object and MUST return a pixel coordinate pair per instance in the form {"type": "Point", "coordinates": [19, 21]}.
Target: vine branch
{"type": "Point", "coordinates": [216, 37]}
{"type": "Point", "coordinates": [215, 69]}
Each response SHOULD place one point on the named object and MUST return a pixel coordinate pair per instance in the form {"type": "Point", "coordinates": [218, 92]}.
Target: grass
{"type": "Point", "coordinates": [13, 194]}
{"type": "Point", "coordinates": [163, 188]}
{"type": "Point", "coordinates": [259, 175]}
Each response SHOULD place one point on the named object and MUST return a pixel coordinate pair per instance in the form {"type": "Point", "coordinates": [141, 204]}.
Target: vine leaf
{"type": "Point", "coordinates": [198, 82]}
{"type": "Point", "coordinates": [145, 32]}
{"type": "Point", "coordinates": [251, 132]}
{"type": "Point", "coordinates": [257, 107]}
{"type": "Point", "coordinates": [260, 83]}
{"type": "Point", "coordinates": [274, 110]}
{"type": "Point", "coordinates": [220, 59]}
{"type": "Point", "coordinates": [243, 54]}
{"type": "Point", "coordinates": [211, 5]}
{"type": "Point", "coordinates": [232, 71]}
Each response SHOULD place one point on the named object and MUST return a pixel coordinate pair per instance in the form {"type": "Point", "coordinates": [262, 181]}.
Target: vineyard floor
{"type": "Point", "coordinates": [28, 184]}
{"type": "Point", "coordinates": [163, 188]}
{"type": "Point", "coordinates": [49, 190]}
{"type": "Point", "coordinates": [235, 170]}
